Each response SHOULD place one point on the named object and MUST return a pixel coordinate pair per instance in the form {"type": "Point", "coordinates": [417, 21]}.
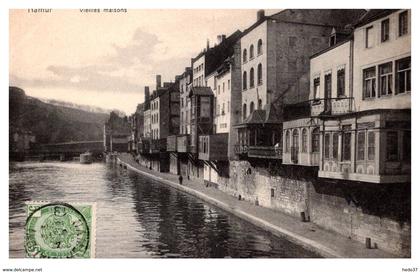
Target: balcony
{"type": "Point", "coordinates": [158, 146]}
{"type": "Point", "coordinates": [213, 147]}
{"type": "Point", "coordinates": [331, 106]}
{"type": "Point", "coordinates": [171, 143]}
{"type": "Point", "coordinates": [144, 146]}
{"type": "Point", "coordinates": [182, 143]}
{"type": "Point", "coordinates": [265, 152]}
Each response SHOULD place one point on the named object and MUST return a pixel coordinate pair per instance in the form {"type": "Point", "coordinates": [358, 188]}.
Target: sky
{"type": "Point", "coordinates": [106, 59]}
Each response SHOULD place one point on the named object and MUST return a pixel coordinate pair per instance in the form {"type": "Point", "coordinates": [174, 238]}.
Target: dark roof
{"type": "Point", "coordinates": [268, 115]}
{"type": "Point", "coordinates": [350, 37]}
{"type": "Point", "coordinates": [158, 93]}
{"type": "Point", "coordinates": [372, 15]}
{"type": "Point", "coordinates": [333, 17]}
{"type": "Point", "coordinates": [200, 91]}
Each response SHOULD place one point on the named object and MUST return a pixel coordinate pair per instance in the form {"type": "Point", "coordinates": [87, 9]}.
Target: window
{"type": "Point", "coordinates": [385, 30]}
{"type": "Point", "coordinates": [369, 82]}
{"type": "Point", "coordinates": [392, 146]}
{"type": "Point", "coordinates": [369, 37]}
{"type": "Point", "coordinates": [403, 23]}
{"type": "Point", "coordinates": [327, 92]}
{"type": "Point", "coordinates": [327, 146]}
{"type": "Point", "coordinates": [333, 40]}
{"type": "Point", "coordinates": [228, 106]}
{"type": "Point", "coordinates": [316, 88]}
{"type": "Point", "coordinates": [223, 109]}
{"type": "Point", "coordinates": [361, 145]}
{"type": "Point", "coordinates": [259, 74]}
{"type": "Point", "coordinates": [223, 87]}
{"type": "Point", "coordinates": [228, 84]}
{"type": "Point", "coordinates": [315, 140]}
{"type": "Point", "coordinates": [244, 56]}
{"type": "Point", "coordinates": [251, 107]}
{"type": "Point", "coordinates": [244, 111]}
{"type": "Point", "coordinates": [406, 145]}
{"type": "Point", "coordinates": [251, 78]}
{"type": "Point", "coordinates": [347, 143]}
{"type": "Point", "coordinates": [385, 78]}
{"type": "Point", "coordinates": [340, 82]}
{"type": "Point", "coordinates": [371, 145]}
{"type": "Point", "coordinates": [295, 145]}
{"type": "Point", "coordinates": [335, 146]}
{"type": "Point", "coordinates": [218, 89]}
{"type": "Point", "coordinates": [304, 140]}
{"type": "Point", "coordinates": [218, 109]}
{"type": "Point", "coordinates": [259, 104]}
{"type": "Point", "coordinates": [259, 47]}
{"type": "Point", "coordinates": [287, 141]}
{"type": "Point", "coordinates": [244, 79]}
{"type": "Point", "coordinates": [251, 51]}
{"type": "Point", "coordinates": [403, 75]}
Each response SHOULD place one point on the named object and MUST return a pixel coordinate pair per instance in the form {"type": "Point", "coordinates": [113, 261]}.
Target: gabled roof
{"type": "Point", "coordinates": [372, 15]}
{"type": "Point", "coordinates": [200, 91]}
{"type": "Point", "coordinates": [269, 115]}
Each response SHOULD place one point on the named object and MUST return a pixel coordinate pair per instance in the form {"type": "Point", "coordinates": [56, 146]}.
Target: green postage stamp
{"type": "Point", "coordinates": [60, 230]}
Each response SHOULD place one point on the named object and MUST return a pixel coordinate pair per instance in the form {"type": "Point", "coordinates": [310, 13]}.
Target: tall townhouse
{"type": "Point", "coordinates": [164, 121]}
{"type": "Point", "coordinates": [178, 144]}
{"type": "Point", "coordinates": [137, 128]}
{"type": "Point", "coordinates": [353, 136]}
{"type": "Point", "coordinates": [185, 82]}
{"type": "Point", "coordinates": [143, 145]}
{"type": "Point", "coordinates": [197, 105]}
{"type": "Point", "coordinates": [216, 148]}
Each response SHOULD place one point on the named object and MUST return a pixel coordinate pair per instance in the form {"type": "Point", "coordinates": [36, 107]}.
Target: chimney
{"type": "Point", "coordinates": [158, 82]}
{"type": "Point", "coordinates": [146, 93]}
{"type": "Point", "coordinates": [221, 38]}
{"type": "Point", "coordinates": [260, 15]}
{"type": "Point", "coordinates": [208, 45]}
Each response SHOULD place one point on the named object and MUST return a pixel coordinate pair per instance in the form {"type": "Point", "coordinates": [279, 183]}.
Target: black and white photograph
{"type": "Point", "coordinates": [210, 133]}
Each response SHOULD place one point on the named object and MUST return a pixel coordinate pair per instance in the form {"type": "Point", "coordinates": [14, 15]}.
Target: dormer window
{"type": "Point", "coordinates": [333, 40]}
{"type": "Point", "coordinates": [369, 37]}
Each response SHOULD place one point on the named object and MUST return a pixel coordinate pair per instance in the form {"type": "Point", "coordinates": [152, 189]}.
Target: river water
{"type": "Point", "coordinates": [137, 217]}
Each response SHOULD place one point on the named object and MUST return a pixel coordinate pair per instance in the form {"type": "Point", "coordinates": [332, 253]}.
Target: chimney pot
{"type": "Point", "coordinates": [158, 82]}
{"type": "Point", "coordinates": [146, 93]}
{"type": "Point", "coordinates": [260, 14]}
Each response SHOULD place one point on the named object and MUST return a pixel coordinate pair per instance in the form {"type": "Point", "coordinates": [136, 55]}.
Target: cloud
{"type": "Point", "coordinates": [139, 49]}
{"type": "Point", "coordinates": [127, 69]}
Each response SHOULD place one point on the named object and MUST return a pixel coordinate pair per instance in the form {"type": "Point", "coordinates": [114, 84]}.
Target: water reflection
{"type": "Point", "coordinates": [138, 217]}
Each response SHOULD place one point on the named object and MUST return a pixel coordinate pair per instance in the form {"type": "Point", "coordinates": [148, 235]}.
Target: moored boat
{"type": "Point", "coordinates": [86, 158]}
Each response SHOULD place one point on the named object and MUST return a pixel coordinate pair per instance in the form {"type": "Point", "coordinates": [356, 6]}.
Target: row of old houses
{"type": "Point", "coordinates": [307, 112]}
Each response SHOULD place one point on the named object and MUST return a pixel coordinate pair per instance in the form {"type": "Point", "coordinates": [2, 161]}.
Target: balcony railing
{"type": "Point", "coordinates": [241, 149]}
{"type": "Point", "coordinates": [144, 146]}
{"type": "Point", "coordinates": [157, 146]}
{"type": "Point", "coordinates": [331, 106]}
{"type": "Point", "coordinates": [213, 147]}
{"type": "Point", "coordinates": [266, 152]}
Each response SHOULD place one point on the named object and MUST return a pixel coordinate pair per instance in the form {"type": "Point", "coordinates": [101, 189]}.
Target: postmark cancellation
{"type": "Point", "coordinates": [60, 230]}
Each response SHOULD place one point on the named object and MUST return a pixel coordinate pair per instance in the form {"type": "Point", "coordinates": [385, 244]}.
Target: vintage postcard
{"type": "Point", "coordinates": [210, 133]}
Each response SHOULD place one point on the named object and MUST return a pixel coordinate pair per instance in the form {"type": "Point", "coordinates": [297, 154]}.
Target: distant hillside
{"type": "Point", "coordinates": [87, 108]}
{"type": "Point", "coordinates": [52, 123]}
